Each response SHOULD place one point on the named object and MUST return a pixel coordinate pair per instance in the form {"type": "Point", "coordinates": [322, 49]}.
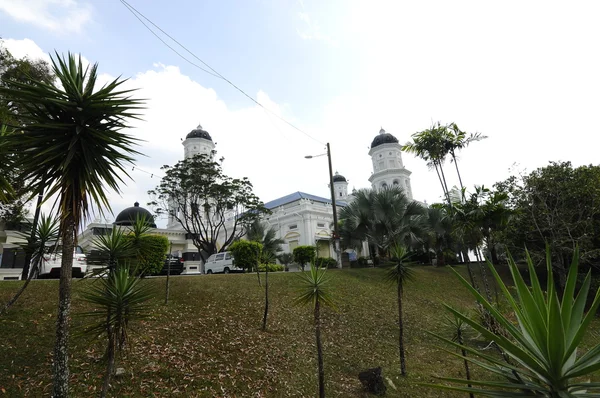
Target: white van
{"type": "Point", "coordinates": [51, 262]}
{"type": "Point", "coordinates": [221, 262]}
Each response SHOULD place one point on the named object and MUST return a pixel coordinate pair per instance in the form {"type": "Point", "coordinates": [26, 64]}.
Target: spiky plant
{"type": "Point", "coordinates": [314, 291]}
{"type": "Point", "coordinates": [544, 342]}
{"type": "Point", "coordinates": [73, 136]}
{"type": "Point", "coordinates": [120, 299]}
{"type": "Point", "coordinates": [398, 274]}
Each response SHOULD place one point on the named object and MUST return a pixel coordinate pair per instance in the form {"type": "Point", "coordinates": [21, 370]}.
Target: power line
{"type": "Point", "coordinates": [214, 72]}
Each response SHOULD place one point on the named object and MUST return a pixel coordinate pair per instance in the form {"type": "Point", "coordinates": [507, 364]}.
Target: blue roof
{"type": "Point", "coordinates": [297, 196]}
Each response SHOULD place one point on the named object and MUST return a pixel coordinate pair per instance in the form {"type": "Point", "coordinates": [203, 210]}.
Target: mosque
{"type": "Point", "coordinates": [299, 218]}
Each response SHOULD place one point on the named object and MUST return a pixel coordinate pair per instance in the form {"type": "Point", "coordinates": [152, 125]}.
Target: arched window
{"type": "Point", "coordinates": [384, 185]}
{"type": "Point", "coordinates": [396, 182]}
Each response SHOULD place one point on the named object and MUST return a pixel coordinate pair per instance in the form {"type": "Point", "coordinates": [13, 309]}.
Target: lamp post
{"type": "Point", "coordinates": [336, 236]}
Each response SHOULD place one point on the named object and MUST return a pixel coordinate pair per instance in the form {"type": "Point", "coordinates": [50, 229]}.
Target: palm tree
{"type": "Point", "coordinates": [73, 137]}
{"type": "Point", "coordinates": [459, 328]}
{"type": "Point", "coordinates": [439, 227]}
{"type": "Point", "coordinates": [384, 218]}
{"type": "Point", "coordinates": [286, 259]}
{"type": "Point", "coordinates": [399, 274]}
{"type": "Point", "coordinates": [271, 245]}
{"type": "Point", "coordinates": [46, 232]}
{"type": "Point", "coordinates": [456, 140]}
{"type": "Point", "coordinates": [314, 291]}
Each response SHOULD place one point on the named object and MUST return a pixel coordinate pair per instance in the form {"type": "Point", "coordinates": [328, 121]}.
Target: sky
{"type": "Point", "coordinates": [524, 74]}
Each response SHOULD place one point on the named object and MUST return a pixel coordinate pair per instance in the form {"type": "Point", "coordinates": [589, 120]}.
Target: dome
{"type": "Point", "coordinates": [198, 132]}
{"type": "Point", "coordinates": [128, 216]}
{"type": "Point", "coordinates": [383, 138]}
{"type": "Point", "coordinates": [339, 178]}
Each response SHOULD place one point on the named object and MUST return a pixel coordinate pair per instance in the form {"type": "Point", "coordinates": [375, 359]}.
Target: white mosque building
{"type": "Point", "coordinates": [299, 218]}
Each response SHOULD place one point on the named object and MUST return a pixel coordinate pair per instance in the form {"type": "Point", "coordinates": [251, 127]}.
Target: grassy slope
{"type": "Point", "coordinates": [207, 342]}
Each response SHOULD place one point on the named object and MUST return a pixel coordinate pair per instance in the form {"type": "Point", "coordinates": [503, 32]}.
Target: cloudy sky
{"type": "Point", "coordinates": [523, 73]}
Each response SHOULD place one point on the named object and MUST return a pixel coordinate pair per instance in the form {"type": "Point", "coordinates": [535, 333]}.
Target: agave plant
{"type": "Point", "coordinates": [119, 299]}
{"type": "Point", "coordinates": [543, 345]}
{"type": "Point", "coordinates": [313, 290]}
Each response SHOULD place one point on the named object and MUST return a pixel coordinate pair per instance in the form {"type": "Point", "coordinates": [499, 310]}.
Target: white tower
{"type": "Point", "coordinates": [340, 186]}
{"type": "Point", "coordinates": [388, 170]}
{"type": "Point", "coordinates": [198, 141]}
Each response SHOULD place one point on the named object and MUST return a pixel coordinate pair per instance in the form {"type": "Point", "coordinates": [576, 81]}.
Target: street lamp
{"type": "Point", "coordinates": [336, 236]}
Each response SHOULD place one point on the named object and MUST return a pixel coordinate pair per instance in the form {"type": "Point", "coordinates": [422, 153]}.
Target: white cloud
{"type": "Point", "coordinates": [25, 48]}
{"type": "Point", "coordinates": [311, 30]}
{"type": "Point", "coordinates": [54, 15]}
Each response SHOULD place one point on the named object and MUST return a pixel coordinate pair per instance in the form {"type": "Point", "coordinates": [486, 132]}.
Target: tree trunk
{"type": "Point", "coordinates": [464, 354]}
{"type": "Point", "coordinates": [110, 365]}
{"type": "Point", "coordinates": [445, 185]}
{"type": "Point", "coordinates": [319, 350]}
{"type": "Point", "coordinates": [264, 325]}
{"type": "Point", "coordinates": [466, 257]}
{"type": "Point", "coordinates": [441, 260]}
{"type": "Point", "coordinates": [471, 277]}
{"type": "Point", "coordinates": [168, 275]}
{"type": "Point", "coordinates": [61, 349]}
{"type": "Point", "coordinates": [441, 182]}
{"type": "Point", "coordinates": [484, 279]}
{"type": "Point", "coordinates": [13, 300]}
{"type": "Point", "coordinates": [462, 188]}
{"type": "Point", "coordinates": [401, 332]}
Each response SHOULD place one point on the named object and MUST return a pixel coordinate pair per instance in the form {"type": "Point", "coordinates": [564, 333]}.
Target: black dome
{"type": "Point", "coordinates": [339, 178]}
{"type": "Point", "coordinates": [198, 132]}
{"type": "Point", "coordinates": [383, 138]}
{"type": "Point", "coordinates": [128, 216]}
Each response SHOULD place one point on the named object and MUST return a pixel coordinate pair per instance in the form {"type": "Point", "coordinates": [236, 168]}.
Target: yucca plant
{"type": "Point", "coordinates": [543, 345]}
{"type": "Point", "coordinates": [114, 247]}
{"type": "Point", "coordinates": [120, 298]}
{"type": "Point", "coordinates": [399, 274]}
{"type": "Point", "coordinates": [72, 134]}
{"type": "Point", "coordinates": [458, 328]}
{"type": "Point", "coordinates": [313, 290]}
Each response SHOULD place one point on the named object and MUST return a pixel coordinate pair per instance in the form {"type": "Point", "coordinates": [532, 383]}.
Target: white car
{"type": "Point", "coordinates": [51, 262]}
{"type": "Point", "coordinates": [221, 262]}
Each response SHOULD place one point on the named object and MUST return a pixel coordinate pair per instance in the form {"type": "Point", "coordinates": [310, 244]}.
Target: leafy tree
{"type": "Point", "coordinates": [120, 299]}
{"type": "Point", "coordinates": [384, 218]}
{"type": "Point", "coordinates": [150, 251]}
{"type": "Point", "coordinates": [75, 146]}
{"type": "Point", "coordinates": [314, 291]}
{"type": "Point", "coordinates": [399, 274]}
{"type": "Point", "coordinates": [210, 206]}
{"type": "Point", "coordinates": [544, 342]}
{"type": "Point", "coordinates": [246, 255]}
{"type": "Point", "coordinates": [304, 255]}
{"type": "Point", "coordinates": [439, 228]}
{"type": "Point", "coordinates": [271, 244]}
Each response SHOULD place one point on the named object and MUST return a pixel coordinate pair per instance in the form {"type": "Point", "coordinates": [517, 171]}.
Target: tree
{"type": "Point", "coordinates": [304, 255]}
{"type": "Point", "coordinates": [210, 206]}
{"type": "Point", "coordinates": [120, 298]}
{"type": "Point", "coordinates": [556, 205]}
{"type": "Point", "coordinates": [399, 274]}
{"type": "Point", "coordinates": [544, 342]}
{"type": "Point", "coordinates": [439, 231]}
{"type": "Point", "coordinates": [314, 291]}
{"type": "Point", "coordinates": [271, 244]}
{"type": "Point", "coordinates": [286, 259]}
{"type": "Point", "coordinates": [384, 218]}
{"type": "Point", "coordinates": [455, 140]}
{"type": "Point", "coordinates": [75, 146]}
{"type": "Point", "coordinates": [246, 255]}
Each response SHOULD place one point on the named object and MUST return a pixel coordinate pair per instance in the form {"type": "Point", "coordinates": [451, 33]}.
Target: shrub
{"type": "Point", "coordinates": [363, 261]}
{"type": "Point", "coordinates": [304, 255]}
{"type": "Point", "coordinates": [246, 253]}
{"type": "Point", "coordinates": [272, 267]}
{"type": "Point", "coordinates": [150, 258]}
{"type": "Point", "coordinates": [325, 262]}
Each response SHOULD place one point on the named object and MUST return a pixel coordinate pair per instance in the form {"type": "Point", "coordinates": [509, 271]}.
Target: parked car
{"type": "Point", "coordinates": [176, 264]}
{"type": "Point", "coordinates": [52, 259]}
{"type": "Point", "coordinates": [221, 262]}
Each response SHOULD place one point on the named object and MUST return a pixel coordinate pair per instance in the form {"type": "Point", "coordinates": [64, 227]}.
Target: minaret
{"type": "Point", "coordinates": [198, 141]}
{"type": "Point", "coordinates": [388, 169]}
{"type": "Point", "coordinates": [340, 186]}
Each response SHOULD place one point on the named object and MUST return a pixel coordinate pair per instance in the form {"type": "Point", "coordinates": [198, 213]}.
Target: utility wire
{"type": "Point", "coordinates": [214, 73]}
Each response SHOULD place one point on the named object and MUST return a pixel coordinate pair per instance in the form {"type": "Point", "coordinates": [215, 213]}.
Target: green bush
{"type": "Point", "coordinates": [363, 261]}
{"type": "Point", "coordinates": [150, 257]}
{"type": "Point", "coordinates": [325, 262]}
{"type": "Point", "coordinates": [304, 255]}
{"type": "Point", "coordinates": [246, 254]}
{"type": "Point", "coordinates": [272, 267]}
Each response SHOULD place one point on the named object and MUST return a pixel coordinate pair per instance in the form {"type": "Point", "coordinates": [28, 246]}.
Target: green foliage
{"type": "Point", "coordinates": [150, 255]}
{"type": "Point", "coordinates": [400, 271]}
{"type": "Point", "coordinates": [286, 259]}
{"type": "Point", "coordinates": [271, 244]}
{"type": "Point", "coordinates": [246, 254]}
{"type": "Point", "coordinates": [271, 267]}
{"type": "Point", "coordinates": [304, 255]}
{"type": "Point", "coordinates": [544, 343]}
{"type": "Point", "coordinates": [313, 288]}
{"type": "Point", "coordinates": [113, 247]}
{"type": "Point", "coordinates": [197, 194]}
{"type": "Point", "coordinates": [325, 262]}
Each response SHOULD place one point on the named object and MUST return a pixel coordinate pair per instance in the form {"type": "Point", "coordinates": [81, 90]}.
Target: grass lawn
{"type": "Point", "coordinates": [207, 342]}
